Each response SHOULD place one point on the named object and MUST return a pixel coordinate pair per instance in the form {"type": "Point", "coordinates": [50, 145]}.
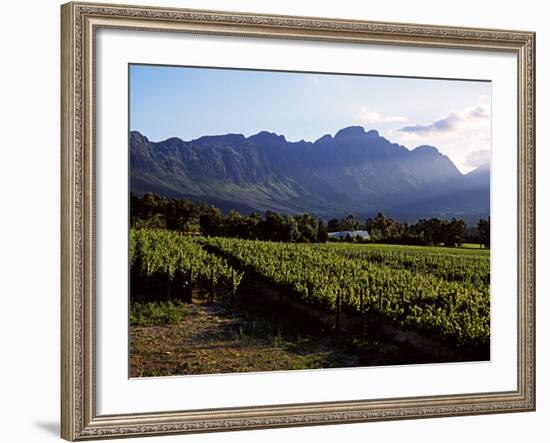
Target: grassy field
{"type": "Point", "coordinates": [473, 246]}
{"type": "Point", "coordinates": [465, 249]}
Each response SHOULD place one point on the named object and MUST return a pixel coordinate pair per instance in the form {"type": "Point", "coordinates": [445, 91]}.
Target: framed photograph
{"type": "Point", "coordinates": [283, 221]}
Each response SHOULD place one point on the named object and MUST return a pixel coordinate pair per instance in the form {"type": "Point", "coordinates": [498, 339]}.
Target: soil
{"type": "Point", "coordinates": [254, 334]}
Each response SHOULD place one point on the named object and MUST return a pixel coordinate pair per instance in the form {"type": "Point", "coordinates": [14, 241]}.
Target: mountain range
{"type": "Point", "coordinates": [353, 172]}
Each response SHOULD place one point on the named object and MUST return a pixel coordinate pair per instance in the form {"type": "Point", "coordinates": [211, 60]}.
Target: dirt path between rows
{"type": "Point", "coordinates": [258, 333]}
{"type": "Point", "coordinates": [219, 338]}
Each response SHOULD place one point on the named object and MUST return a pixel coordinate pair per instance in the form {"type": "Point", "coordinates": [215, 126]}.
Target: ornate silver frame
{"type": "Point", "coordinates": [80, 21]}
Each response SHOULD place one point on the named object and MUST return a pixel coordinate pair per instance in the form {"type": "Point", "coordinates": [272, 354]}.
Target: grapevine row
{"type": "Point", "coordinates": [456, 311]}
{"type": "Point", "coordinates": [178, 257]}
{"type": "Point", "coordinates": [474, 269]}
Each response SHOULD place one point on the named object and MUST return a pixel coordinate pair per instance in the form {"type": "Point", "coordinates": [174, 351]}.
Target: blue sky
{"type": "Point", "coordinates": [188, 103]}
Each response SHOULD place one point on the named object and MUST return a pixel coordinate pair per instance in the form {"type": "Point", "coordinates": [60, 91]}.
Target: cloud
{"type": "Point", "coordinates": [469, 118]}
{"type": "Point", "coordinates": [479, 111]}
{"type": "Point", "coordinates": [464, 135]}
{"type": "Point", "coordinates": [478, 158]}
{"type": "Point", "coordinates": [370, 117]}
{"type": "Point", "coordinates": [443, 125]}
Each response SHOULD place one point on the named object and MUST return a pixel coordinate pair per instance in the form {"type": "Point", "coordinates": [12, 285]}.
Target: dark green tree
{"type": "Point", "coordinates": [333, 225]}
{"type": "Point", "coordinates": [484, 230]}
{"type": "Point", "coordinates": [322, 235]}
{"type": "Point", "coordinates": [211, 222]}
{"type": "Point", "coordinates": [455, 233]}
{"type": "Point", "coordinates": [350, 223]}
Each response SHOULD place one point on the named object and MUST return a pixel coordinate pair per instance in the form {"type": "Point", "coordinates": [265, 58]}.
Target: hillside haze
{"type": "Point", "coordinates": [356, 171]}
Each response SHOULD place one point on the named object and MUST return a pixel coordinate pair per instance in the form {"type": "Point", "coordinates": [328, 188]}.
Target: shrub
{"type": "Point", "coordinates": [157, 313]}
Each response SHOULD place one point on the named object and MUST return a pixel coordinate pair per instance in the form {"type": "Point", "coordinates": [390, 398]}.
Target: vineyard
{"type": "Point", "coordinates": [179, 262]}
{"type": "Point", "coordinates": [441, 292]}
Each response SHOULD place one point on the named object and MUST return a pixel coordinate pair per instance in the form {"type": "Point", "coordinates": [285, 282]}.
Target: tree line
{"type": "Point", "coordinates": [154, 211]}
{"type": "Point", "coordinates": [433, 231]}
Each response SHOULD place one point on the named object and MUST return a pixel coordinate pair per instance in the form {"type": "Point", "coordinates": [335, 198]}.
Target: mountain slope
{"type": "Point", "coordinates": [353, 172]}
